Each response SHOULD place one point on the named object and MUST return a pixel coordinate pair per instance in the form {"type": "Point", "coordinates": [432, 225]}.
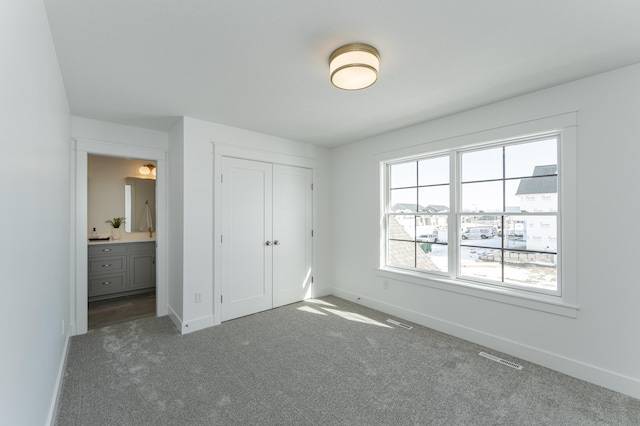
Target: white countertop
{"type": "Point", "coordinates": [127, 237]}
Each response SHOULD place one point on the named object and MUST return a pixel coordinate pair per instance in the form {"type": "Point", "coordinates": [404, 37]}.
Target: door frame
{"type": "Point", "coordinates": [81, 148]}
{"type": "Point", "coordinates": [220, 150]}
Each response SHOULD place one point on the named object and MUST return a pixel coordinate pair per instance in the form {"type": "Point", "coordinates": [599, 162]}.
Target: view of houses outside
{"type": "Point", "coordinates": [498, 240]}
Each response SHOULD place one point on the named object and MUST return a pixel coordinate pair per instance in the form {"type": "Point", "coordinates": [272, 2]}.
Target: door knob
{"type": "Point", "coordinates": [276, 243]}
{"type": "Point", "coordinates": [268, 243]}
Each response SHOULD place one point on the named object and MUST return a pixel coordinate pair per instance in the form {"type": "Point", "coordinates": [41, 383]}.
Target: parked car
{"type": "Point", "coordinates": [478, 232]}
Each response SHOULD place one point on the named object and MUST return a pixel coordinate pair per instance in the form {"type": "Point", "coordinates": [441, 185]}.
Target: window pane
{"type": "Point", "coordinates": [535, 194]}
{"type": "Point", "coordinates": [404, 200]}
{"type": "Point", "coordinates": [514, 231]}
{"type": "Point", "coordinates": [431, 228]}
{"type": "Point", "coordinates": [433, 199]}
{"type": "Point", "coordinates": [402, 227]}
{"type": "Point", "coordinates": [432, 257]}
{"type": "Point", "coordinates": [482, 197]}
{"type": "Point", "coordinates": [481, 263]}
{"type": "Point", "coordinates": [482, 165]}
{"type": "Point", "coordinates": [404, 174]}
{"type": "Point", "coordinates": [433, 171]}
{"type": "Point", "coordinates": [541, 233]}
{"type": "Point", "coordinates": [512, 201]}
{"type": "Point", "coordinates": [535, 233]}
{"type": "Point", "coordinates": [478, 235]}
{"type": "Point", "coordinates": [402, 254]}
{"type": "Point", "coordinates": [522, 159]}
{"type": "Point", "coordinates": [537, 270]}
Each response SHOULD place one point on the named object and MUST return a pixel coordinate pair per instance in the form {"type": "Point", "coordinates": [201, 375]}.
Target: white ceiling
{"type": "Point", "coordinates": [263, 65]}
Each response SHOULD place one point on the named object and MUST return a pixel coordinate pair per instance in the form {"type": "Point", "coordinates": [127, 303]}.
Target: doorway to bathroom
{"type": "Point", "coordinates": [134, 267]}
{"type": "Point", "coordinates": [121, 214]}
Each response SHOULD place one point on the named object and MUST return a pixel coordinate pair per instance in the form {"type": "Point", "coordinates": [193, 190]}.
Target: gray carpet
{"type": "Point", "coordinates": [328, 362]}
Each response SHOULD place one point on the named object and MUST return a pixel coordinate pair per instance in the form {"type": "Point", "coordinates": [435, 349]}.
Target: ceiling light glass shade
{"type": "Point", "coordinates": [354, 66]}
{"type": "Point", "coordinates": [147, 169]}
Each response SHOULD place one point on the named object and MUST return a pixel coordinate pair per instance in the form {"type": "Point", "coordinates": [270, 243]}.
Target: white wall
{"type": "Point", "coordinates": [96, 130]}
{"type": "Point", "coordinates": [35, 216]}
{"type": "Point", "coordinates": [600, 345]}
{"type": "Point", "coordinates": [176, 220]}
{"type": "Point", "coordinates": [197, 194]}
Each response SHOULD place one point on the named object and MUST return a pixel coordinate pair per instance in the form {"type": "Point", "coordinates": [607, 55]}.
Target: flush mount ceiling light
{"type": "Point", "coordinates": [147, 169]}
{"type": "Point", "coordinates": [354, 66]}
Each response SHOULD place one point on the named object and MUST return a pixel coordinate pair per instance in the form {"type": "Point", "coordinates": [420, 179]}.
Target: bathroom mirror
{"type": "Point", "coordinates": [139, 204]}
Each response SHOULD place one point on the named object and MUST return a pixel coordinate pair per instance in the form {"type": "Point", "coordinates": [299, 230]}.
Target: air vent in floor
{"type": "Point", "coordinates": [501, 361]}
{"type": "Point", "coordinates": [399, 324]}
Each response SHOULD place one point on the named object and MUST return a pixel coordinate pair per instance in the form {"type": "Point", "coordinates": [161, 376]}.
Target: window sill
{"type": "Point", "coordinates": [539, 302]}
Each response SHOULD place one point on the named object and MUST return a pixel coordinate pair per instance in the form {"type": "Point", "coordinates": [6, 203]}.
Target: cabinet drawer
{"type": "Point", "coordinates": [107, 284]}
{"type": "Point", "coordinates": [148, 246]}
{"type": "Point", "coordinates": [107, 249]}
{"type": "Point", "coordinates": [107, 265]}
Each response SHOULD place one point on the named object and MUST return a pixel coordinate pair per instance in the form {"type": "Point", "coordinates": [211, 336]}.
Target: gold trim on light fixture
{"type": "Point", "coordinates": [354, 66]}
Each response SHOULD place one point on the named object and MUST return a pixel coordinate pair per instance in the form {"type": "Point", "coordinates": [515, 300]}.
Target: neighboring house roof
{"type": "Point", "coordinates": [547, 183]}
{"type": "Point", "coordinates": [488, 217]}
{"type": "Point", "coordinates": [431, 208]}
{"type": "Point", "coordinates": [411, 208]}
{"type": "Point", "coordinates": [404, 207]}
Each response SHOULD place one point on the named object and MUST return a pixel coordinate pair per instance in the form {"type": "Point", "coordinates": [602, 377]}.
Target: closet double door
{"type": "Point", "coordinates": [266, 236]}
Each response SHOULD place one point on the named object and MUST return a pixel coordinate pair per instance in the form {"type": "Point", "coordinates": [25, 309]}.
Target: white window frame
{"type": "Point", "coordinates": [564, 301]}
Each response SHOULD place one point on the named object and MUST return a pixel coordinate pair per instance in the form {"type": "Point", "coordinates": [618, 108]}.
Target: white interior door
{"type": "Point", "coordinates": [292, 227]}
{"type": "Point", "coordinates": [246, 227]}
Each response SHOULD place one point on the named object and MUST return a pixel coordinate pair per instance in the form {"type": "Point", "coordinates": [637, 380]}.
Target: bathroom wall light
{"type": "Point", "coordinates": [354, 66]}
{"type": "Point", "coordinates": [147, 169]}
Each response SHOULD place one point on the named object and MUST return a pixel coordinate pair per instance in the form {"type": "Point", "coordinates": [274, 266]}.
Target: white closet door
{"type": "Point", "coordinates": [292, 225]}
{"type": "Point", "coordinates": [246, 228]}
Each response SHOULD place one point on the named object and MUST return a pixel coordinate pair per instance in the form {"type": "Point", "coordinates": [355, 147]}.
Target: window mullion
{"type": "Point", "coordinates": [415, 222]}
{"type": "Point", "coordinates": [504, 209]}
{"type": "Point", "coordinates": [454, 217]}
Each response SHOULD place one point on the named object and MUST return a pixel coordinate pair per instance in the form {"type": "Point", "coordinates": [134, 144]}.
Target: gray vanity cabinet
{"type": "Point", "coordinates": [121, 269]}
{"type": "Point", "coordinates": [142, 265]}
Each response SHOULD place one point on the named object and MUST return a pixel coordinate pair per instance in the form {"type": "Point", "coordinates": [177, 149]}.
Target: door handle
{"type": "Point", "coordinates": [268, 243]}
{"type": "Point", "coordinates": [276, 243]}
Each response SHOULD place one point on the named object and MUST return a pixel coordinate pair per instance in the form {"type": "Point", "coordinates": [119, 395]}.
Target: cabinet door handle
{"type": "Point", "coordinates": [276, 243]}
{"type": "Point", "coordinates": [268, 243]}
{"type": "Point", "coordinates": [106, 249]}
{"type": "Point", "coordinates": [106, 283]}
{"type": "Point", "coordinates": [106, 265]}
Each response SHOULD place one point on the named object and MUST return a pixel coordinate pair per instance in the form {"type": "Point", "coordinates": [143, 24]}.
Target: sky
{"type": "Point", "coordinates": [476, 165]}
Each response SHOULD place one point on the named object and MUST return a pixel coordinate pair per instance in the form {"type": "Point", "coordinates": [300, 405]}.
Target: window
{"type": "Point", "coordinates": [418, 214]}
{"type": "Point", "coordinates": [508, 230]}
{"type": "Point", "coordinates": [487, 215]}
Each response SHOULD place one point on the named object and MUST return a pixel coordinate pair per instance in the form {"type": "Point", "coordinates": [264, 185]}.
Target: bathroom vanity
{"type": "Point", "coordinates": [121, 268]}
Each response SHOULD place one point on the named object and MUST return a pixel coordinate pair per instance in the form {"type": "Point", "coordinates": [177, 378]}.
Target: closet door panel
{"type": "Point", "coordinates": [292, 226]}
{"type": "Point", "coordinates": [246, 229]}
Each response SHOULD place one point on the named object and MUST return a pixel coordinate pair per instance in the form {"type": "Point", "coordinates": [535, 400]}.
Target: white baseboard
{"type": "Point", "coordinates": [55, 399]}
{"type": "Point", "coordinates": [175, 318]}
{"type": "Point", "coordinates": [323, 291]}
{"type": "Point", "coordinates": [197, 324]}
{"type": "Point", "coordinates": [578, 369]}
{"type": "Point", "coordinates": [186, 327]}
